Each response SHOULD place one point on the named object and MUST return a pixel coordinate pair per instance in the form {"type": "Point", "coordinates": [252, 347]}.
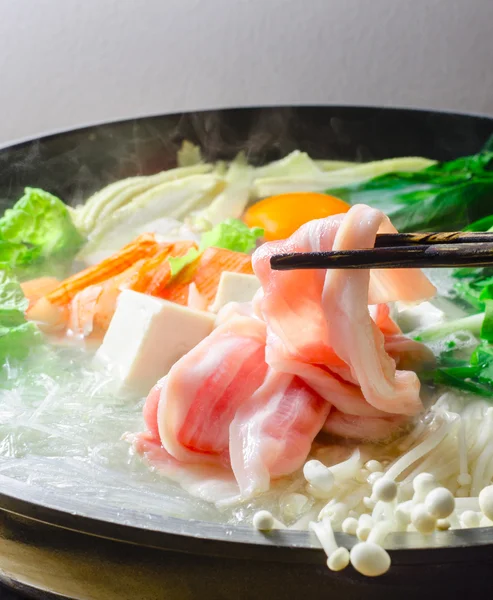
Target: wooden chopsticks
{"type": "Point", "coordinates": [447, 237]}
{"type": "Point", "coordinates": [400, 250]}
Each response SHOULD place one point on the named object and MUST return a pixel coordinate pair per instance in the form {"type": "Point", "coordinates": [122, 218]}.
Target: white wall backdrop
{"type": "Point", "coordinates": [66, 63]}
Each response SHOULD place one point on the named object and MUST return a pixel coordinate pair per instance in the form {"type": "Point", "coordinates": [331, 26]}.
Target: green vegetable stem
{"type": "Point", "coordinates": [446, 196]}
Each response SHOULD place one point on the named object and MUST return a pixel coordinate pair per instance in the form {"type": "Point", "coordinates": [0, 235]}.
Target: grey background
{"type": "Point", "coordinates": [66, 63]}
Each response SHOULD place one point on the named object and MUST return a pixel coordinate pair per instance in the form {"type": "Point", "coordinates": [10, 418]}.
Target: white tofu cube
{"type": "Point", "coordinates": [417, 316]}
{"type": "Point", "coordinates": [147, 336]}
{"type": "Point", "coordinates": [234, 287]}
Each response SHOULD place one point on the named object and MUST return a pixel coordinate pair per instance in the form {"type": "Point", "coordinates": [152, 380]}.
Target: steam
{"type": "Point", "coordinates": [74, 165]}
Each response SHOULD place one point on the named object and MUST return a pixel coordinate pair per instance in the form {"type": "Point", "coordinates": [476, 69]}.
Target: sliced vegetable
{"type": "Point", "coordinates": [474, 286]}
{"type": "Point", "coordinates": [443, 197]}
{"type": "Point", "coordinates": [178, 263]}
{"type": "Point", "coordinates": [17, 254]}
{"type": "Point", "coordinates": [298, 173]}
{"type": "Point", "coordinates": [333, 165]}
{"type": "Point", "coordinates": [472, 324]}
{"type": "Point", "coordinates": [173, 198]}
{"type": "Point", "coordinates": [101, 205]}
{"type": "Point", "coordinates": [38, 227]}
{"type": "Point", "coordinates": [17, 336]}
{"type": "Point", "coordinates": [465, 379]}
{"type": "Point", "coordinates": [231, 202]}
{"type": "Point", "coordinates": [188, 155]}
{"type": "Point", "coordinates": [280, 216]}
{"type": "Point", "coordinates": [487, 326]}
{"type": "Point", "coordinates": [232, 234]}
{"type": "Point", "coordinates": [294, 165]}
{"type": "Point", "coordinates": [474, 376]}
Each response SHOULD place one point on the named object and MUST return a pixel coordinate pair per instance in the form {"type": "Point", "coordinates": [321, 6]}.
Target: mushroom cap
{"type": "Point", "coordinates": [385, 489]}
{"type": "Point", "coordinates": [486, 501]}
{"type": "Point", "coordinates": [370, 559]}
{"type": "Point", "coordinates": [350, 525]}
{"type": "Point", "coordinates": [440, 503]}
{"type": "Point", "coordinates": [422, 519]}
{"type": "Point", "coordinates": [263, 520]}
{"type": "Point", "coordinates": [469, 519]}
{"type": "Point", "coordinates": [339, 559]}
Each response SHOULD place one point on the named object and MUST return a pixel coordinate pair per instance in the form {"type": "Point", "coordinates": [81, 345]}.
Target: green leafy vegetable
{"type": "Point", "coordinates": [484, 224]}
{"type": "Point", "coordinates": [443, 197]}
{"type": "Point", "coordinates": [38, 227]}
{"type": "Point", "coordinates": [17, 335]}
{"type": "Point", "coordinates": [178, 263]}
{"type": "Point", "coordinates": [474, 286]}
{"type": "Point", "coordinates": [474, 376]}
{"type": "Point", "coordinates": [231, 234]}
{"type": "Point", "coordinates": [17, 254]}
{"type": "Point", "coordinates": [297, 172]}
{"type": "Point", "coordinates": [487, 326]}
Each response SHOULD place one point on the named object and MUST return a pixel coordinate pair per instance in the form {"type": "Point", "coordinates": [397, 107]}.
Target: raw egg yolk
{"type": "Point", "coordinates": [280, 216]}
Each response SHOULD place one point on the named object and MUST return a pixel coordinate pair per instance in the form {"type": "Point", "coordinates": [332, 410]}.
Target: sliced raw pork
{"type": "Point", "coordinates": [192, 407]}
{"type": "Point", "coordinates": [322, 318]}
{"type": "Point", "coordinates": [316, 349]}
{"type": "Point", "coordinates": [272, 433]}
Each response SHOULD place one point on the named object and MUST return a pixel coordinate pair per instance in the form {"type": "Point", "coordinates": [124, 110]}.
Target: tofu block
{"type": "Point", "coordinates": [234, 287]}
{"type": "Point", "coordinates": [146, 337]}
{"type": "Point", "coordinates": [417, 316]}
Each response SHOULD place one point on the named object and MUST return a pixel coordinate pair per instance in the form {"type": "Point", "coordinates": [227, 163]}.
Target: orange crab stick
{"type": "Point", "coordinates": [280, 216]}
{"type": "Point", "coordinates": [143, 246]}
{"type": "Point", "coordinates": [82, 294]}
{"type": "Point", "coordinates": [34, 289]}
{"type": "Point", "coordinates": [156, 272]}
{"type": "Point", "coordinates": [205, 273]}
{"type": "Point", "coordinates": [92, 309]}
{"type": "Point", "coordinates": [213, 262]}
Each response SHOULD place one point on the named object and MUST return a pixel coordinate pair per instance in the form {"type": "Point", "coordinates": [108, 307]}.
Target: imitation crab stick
{"type": "Point", "coordinates": [34, 289]}
{"type": "Point", "coordinates": [205, 273]}
{"type": "Point", "coordinates": [155, 273]}
{"type": "Point", "coordinates": [142, 247]}
{"type": "Point", "coordinates": [86, 302]}
{"type": "Point", "coordinates": [92, 309]}
{"type": "Point", "coordinates": [212, 263]}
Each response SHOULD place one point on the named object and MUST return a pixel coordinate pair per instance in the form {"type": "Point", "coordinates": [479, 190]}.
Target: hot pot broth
{"type": "Point", "coordinates": [65, 418]}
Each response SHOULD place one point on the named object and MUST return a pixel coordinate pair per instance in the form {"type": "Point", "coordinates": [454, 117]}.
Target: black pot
{"type": "Point", "coordinates": [50, 546]}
